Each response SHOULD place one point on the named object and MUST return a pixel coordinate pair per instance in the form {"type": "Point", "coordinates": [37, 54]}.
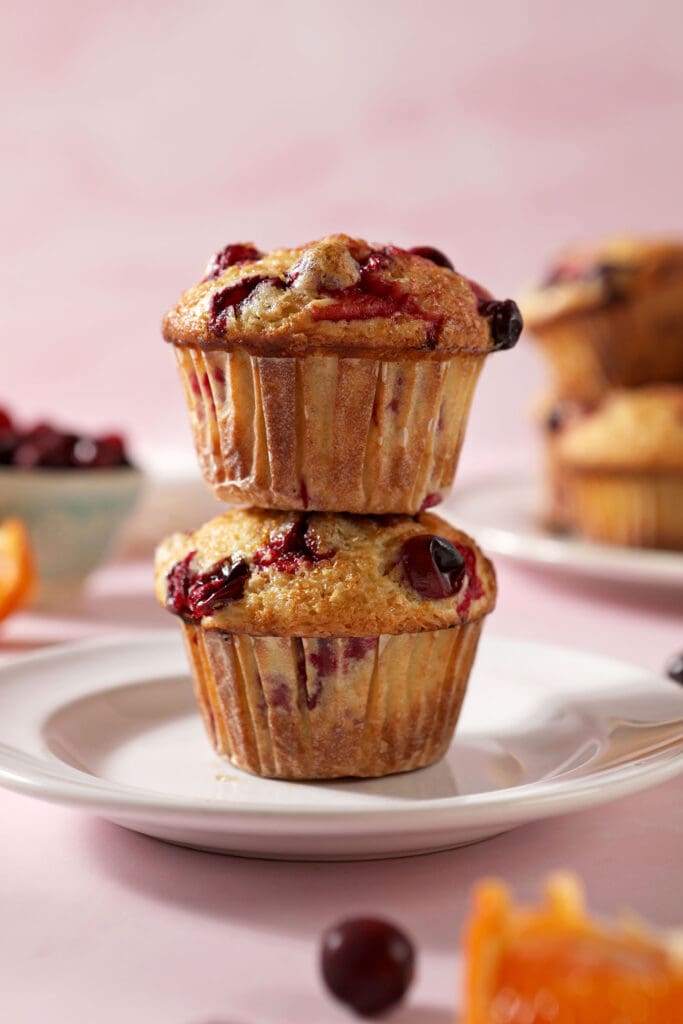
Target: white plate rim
{"type": "Point", "coordinates": [541, 798]}
{"type": "Point", "coordinates": [536, 546]}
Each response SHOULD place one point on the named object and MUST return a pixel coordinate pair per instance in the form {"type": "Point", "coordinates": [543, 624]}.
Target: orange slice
{"type": "Point", "coordinates": [554, 965]}
{"type": "Point", "coordinates": [17, 572]}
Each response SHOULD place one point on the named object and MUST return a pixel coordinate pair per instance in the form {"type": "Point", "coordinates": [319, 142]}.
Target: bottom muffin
{"type": "Point", "coordinates": [326, 645]}
{"type": "Point", "coordinates": [615, 473]}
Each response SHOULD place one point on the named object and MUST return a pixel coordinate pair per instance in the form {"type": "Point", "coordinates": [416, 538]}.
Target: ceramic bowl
{"type": "Point", "coordinates": [74, 517]}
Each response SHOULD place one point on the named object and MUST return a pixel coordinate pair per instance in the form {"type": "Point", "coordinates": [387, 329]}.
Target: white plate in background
{"type": "Point", "coordinates": [502, 514]}
{"type": "Point", "coordinates": [110, 726]}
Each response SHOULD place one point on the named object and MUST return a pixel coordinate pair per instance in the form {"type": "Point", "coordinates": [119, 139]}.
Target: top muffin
{"type": "Point", "coordinates": [340, 295]}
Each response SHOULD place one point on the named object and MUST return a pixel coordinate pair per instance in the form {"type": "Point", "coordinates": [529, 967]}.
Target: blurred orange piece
{"type": "Point", "coordinates": [17, 572]}
{"type": "Point", "coordinates": [554, 965]}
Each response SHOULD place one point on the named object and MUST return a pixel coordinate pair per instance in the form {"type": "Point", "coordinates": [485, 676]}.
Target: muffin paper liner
{"type": "Point", "coordinates": [624, 344]}
{"type": "Point", "coordinates": [638, 510]}
{"type": "Point", "coordinates": [328, 432]}
{"type": "Point", "coordinates": [321, 707]}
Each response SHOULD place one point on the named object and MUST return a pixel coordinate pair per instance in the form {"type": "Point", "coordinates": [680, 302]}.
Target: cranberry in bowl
{"type": "Point", "coordinates": [74, 491]}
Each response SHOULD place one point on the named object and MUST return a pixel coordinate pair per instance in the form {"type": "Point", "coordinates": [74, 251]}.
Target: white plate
{"type": "Point", "coordinates": [502, 514]}
{"type": "Point", "coordinates": [111, 727]}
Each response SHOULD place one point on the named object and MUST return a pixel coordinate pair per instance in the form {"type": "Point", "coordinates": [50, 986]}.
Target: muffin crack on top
{"type": "Point", "coordinates": [314, 297]}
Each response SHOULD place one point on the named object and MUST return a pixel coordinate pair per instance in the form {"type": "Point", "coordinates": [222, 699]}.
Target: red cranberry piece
{"type": "Point", "coordinates": [291, 548]}
{"type": "Point", "coordinates": [213, 590]}
{"type": "Point", "coordinates": [8, 445]}
{"type": "Point", "coordinates": [45, 447]}
{"type": "Point", "coordinates": [193, 595]}
{"type": "Point", "coordinates": [374, 282]}
{"type": "Point", "coordinates": [233, 296]}
{"type": "Point", "coordinates": [430, 501]}
{"type": "Point", "coordinates": [109, 452]}
{"type": "Point", "coordinates": [178, 581]}
{"type": "Point", "coordinates": [674, 668]}
{"type": "Point", "coordinates": [506, 321]}
{"type": "Point", "coordinates": [236, 252]}
{"type": "Point", "coordinates": [5, 420]}
{"type": "Point", "coordinates": [355, 307]}
{"type": "Point", "coordinates": [432, 565]}
{"type": "Point", "coordinates": [433, 255]}
{"type": "Point", "coordinates": [367, 963]}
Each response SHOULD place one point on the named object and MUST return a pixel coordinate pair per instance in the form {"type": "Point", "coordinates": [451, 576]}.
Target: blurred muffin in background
{"type": "Point", "coordinates": [614, 472]}
{"type": "Point", "coordinates": [610, 315]}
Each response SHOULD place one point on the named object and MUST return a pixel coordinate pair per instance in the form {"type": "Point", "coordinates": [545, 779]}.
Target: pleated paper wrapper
{"type": "Point", "coordinates": [328, 432]}
{"type": "Point", "coordinates": [316, 708]}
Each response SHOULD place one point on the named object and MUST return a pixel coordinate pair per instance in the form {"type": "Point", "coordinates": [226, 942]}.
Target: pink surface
{"type": "Point", "coordinates": [102, 924]}
{"type": "Point", "coordinates": [137, 139]}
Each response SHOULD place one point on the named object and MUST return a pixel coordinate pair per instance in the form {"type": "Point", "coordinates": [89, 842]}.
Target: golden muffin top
{"type": "Point", "coordinates": [589, 276]}
{"type": "Point", "coordinates": [635, 430]}
{"type": "Point", "coordinates": [272, 573]}
{"type": "Point", "coordinates": [340, 295]}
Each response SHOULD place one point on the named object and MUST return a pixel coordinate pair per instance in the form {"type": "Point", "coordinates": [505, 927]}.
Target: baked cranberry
{"type": "Point", "coordinates": [291, 548]}
{"type": "Point", "coordinates": [233, 296]}
{"type": "Point", "coordinates": [674, 668]}
{"type": "Point", "coordinates": [5, 420]}
{"type": "Point", "coordinates": [236, 252]}
{"type": "Point", "coordinates": [374, 279]}
{"type": "Point", "coordinates": [178, 581]}
{"type": "Point", "coordinates": [215, 589]}
{"type": "Point", "coordinates": [432, 565]}
{"type": "Point", "coordinates": [367, 963]}
{"type": "Point", "coordinates": [433, 255]}
{"type": "Point", "coordinates": [506, 321]}
{"type": "Point", "coordinates": [194, 595]}
{"type": "Point", "coordinates": [430, 501]}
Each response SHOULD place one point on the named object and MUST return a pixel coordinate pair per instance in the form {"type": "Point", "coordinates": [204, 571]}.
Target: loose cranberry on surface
{"type": "Point", "coordinates": [5, 420]}
{"type": "Point", "coordinates": [506, 321]}
{"type": "Point", "coordinates": [674, 668]}
{"type": "Point", "coordinates": [434, 255]}
{"type": "Point", "coordinates": [367, 963]}
{"type": "Point", "coordinates": [433, 566]}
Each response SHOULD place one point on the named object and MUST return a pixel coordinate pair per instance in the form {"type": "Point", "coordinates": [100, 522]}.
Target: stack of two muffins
{"type": "Point", "coordinates": [331, 630]}
{"type": "Point", "coordinates": [609, 319]}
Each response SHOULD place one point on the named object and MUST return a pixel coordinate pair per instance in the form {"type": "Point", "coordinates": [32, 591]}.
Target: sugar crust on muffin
{"type": "Point", "coordinates": [339, 294]}
{"type": "Point", "coordinates": [346, 580]}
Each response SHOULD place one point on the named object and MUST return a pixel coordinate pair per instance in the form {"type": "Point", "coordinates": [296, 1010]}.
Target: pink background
{"type": "Point", "coordinates": [138, 138]}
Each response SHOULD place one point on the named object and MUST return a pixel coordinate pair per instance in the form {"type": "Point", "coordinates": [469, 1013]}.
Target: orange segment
{"type": "Point", "coordinates": [554, 965]}
{"type": "Point", "coordinates": [17, 572]}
